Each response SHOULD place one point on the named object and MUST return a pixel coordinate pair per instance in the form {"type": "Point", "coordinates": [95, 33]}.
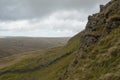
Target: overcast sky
{"type": "Point", "coordinates": [45, 18]}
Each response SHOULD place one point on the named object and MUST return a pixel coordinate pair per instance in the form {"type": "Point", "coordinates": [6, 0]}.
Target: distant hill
{"type": "Point", "coordinates": [16, 45]}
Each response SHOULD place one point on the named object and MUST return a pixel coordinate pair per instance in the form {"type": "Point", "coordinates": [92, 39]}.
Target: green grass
{"type": "Point", "coordinates": [51, 71]}
{"type": "Point", "coordinates": [114, 18]}
{"type": "Point", "coordinates": [101, 61]}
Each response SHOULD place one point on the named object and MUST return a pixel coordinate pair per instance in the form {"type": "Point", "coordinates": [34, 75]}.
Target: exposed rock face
{"type": "Point", "coordinates": [92, 22]}
{"type": "Point", "coordinates": [110, 26]}
{"type": "Point", "coordinates": [101, 7]}
{"type": "Point", "coordinates": [98, 24]}
{"type": "Point", "coordinates": [101, 24]}
{"type": "Point", "coordinates": [88, 40]}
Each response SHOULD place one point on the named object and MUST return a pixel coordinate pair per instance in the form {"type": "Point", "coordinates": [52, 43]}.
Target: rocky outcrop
{"type": "Point", "coordinates": [101, 7]}
{"type": "Point", "coordinates": [101, 24]}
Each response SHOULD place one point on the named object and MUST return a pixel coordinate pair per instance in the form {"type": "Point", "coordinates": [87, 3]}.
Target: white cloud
{"type": "Point", "coordinates": [59, 23]}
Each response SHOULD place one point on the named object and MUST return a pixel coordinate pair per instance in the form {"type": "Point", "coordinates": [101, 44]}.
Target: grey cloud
{"type": "Point", "coordinates": [30, 9]}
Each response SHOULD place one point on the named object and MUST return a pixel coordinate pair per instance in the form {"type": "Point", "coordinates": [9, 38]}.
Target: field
{"type": "Point", "coordinates": [15, 49]}
{"type": "Point", "coordinates": [18, 45]}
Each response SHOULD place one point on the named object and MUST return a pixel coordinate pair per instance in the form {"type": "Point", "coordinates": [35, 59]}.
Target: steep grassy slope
{"type": "Point", "coordinates": [16, 45]}
{"type": "Point", "coordinates": [10, 60]}
{"type": "Point", "coordinates": [35, 68]}
{"type": "Point", "coordinates": [100, 63]}
{"type": "Point", "coordinates": [93, 54]}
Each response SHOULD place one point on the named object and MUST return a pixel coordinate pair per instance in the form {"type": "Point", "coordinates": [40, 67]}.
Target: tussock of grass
{"type": "Point", "coordinates": [114, 18]}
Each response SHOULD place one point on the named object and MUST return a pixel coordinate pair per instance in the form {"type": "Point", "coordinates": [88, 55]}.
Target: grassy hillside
{"type": "Point", "coordinates": [48, 64]}
{"type": "Point", "coordinates": [16, 45]}
{"type": "Point", "coordinates": [93, 54]}
{"type": "Point", "coordinates": [10, 60]}
{"type": "Point", "coordinates": [44, 62]}
{"type": "Point", "coordinates": [100, 63]}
